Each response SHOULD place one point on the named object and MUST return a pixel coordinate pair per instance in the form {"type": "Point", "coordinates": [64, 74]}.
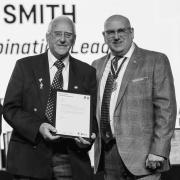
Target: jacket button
{"type": "Point", "coordinates": [34, 147]}
{"type": "Point", "coordinates": [107, 134]}
{"type": "Point", "coordinates": [124, 174]}
{"type": "Point", "coordinates": [35, 109]}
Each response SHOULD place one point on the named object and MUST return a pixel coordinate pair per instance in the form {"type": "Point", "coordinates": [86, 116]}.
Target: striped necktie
{"type": "Point", "coordinates": [56, 84]}
{"type": "Point", "coordinates": [105, 127]}
{"type": "Point", "coordinates": [115, 62]}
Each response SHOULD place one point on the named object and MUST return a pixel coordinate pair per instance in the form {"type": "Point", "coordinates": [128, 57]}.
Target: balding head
{"type": "Point", "coordinates": [118, 18]}
{"type": "Point", "coordinates": [61, 19]}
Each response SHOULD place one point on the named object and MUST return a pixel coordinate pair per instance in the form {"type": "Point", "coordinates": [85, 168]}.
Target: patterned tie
{"type": "Point", "coordinates": [115, 62]}
{"type": "Point", "coordinates": [56, 84]}
{"type": "Point", "coordinates": [105, 127]}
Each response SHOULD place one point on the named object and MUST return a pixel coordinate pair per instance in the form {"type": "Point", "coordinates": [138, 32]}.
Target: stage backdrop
{"type": "Point", "coordinates": [23, 25]}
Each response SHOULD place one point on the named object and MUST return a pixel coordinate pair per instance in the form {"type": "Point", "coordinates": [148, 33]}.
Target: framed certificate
{"type": "Point", "coordinates": [73, 114]}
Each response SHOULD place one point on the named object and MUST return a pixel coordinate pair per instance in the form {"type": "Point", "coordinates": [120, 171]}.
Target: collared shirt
{"type": "Point", "coordinates": [53, 69]}
{"type": "Point", "coordinates": [115, 93]}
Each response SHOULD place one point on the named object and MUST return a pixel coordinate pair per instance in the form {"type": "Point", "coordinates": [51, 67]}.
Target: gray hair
{"type": "Point", "coordinates": [65, 18]}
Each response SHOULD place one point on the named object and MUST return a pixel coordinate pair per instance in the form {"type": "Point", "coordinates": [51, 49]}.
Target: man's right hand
{"type": "Point", "coordinates": [47, 131]}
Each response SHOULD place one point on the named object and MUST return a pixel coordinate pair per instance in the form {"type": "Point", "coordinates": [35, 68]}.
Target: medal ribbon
{"type": "Point", "coordinates": [116, 73]}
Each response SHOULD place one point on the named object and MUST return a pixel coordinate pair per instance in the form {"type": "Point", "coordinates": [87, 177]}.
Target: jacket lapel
{"type": "Point", "coordinates": [130, 70]}
{"type": "Point", "coordinates": [102, 65]}
{"type": "Point", "coordinates": [72, 85]}
{"type": "Point", "coordinates": [42, 78]}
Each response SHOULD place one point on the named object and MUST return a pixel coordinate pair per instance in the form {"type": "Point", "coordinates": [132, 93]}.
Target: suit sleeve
{"type": "Point", "coordinates": [164, 104]}
{"type": "Point", "coordinates": [22, 121]}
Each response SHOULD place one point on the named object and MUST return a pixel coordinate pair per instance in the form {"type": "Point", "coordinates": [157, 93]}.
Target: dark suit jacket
{"type": "Point", "coordinates": [145, 112]}
{"type": "Point", "coordinates": [24, 109]}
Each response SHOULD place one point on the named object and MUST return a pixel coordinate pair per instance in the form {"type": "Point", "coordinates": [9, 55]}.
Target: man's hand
{"type": "Point", "coordinates": [154, 162]}
{"type": "Point", "coordinates": [82, 143]}
{"type": "Point", "coordinates": [47, 131]}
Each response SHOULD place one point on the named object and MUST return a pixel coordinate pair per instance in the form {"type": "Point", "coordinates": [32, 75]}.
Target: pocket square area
{"type": "Point", "coordinates": [75, 87]}
{"type": "Point", "coordinates": [139, 79]}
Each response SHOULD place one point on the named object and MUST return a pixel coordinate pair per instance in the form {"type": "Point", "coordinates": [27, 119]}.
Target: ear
{"type": "Point", "coordinates": [132, 33]}
{"type": "Point", "coordinates": [47, 37]}
{"type": "Point", "coordinates": [103, 33]}
{"type": "Point", "coordinates": [105, 40]}
{"type": "Point", "coordinates": [74, 40]}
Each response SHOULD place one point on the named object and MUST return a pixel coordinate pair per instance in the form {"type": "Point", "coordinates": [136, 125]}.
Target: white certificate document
{"type": "Point", "coordinates": [73, 114]}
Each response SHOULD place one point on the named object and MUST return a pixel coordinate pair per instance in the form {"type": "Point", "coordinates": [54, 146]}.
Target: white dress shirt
{"type": "Point", "coordinates": [53, 69]}
{"type": "Point", "coordinates": [115, 93]}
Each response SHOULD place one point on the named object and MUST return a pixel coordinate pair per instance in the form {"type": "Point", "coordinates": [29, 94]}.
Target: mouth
{"type": "Point", "coordinates": [61, 45]}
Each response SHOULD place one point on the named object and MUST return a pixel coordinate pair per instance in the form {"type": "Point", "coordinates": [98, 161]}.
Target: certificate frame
{"type": "Point", "coordinates": [57, 111]}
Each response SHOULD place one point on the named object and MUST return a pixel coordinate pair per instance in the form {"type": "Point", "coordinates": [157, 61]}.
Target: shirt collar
{"type": "Point", "coordinates": [52, 59]}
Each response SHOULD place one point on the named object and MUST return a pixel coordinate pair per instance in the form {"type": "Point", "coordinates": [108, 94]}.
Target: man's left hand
{"type": "Point", "coordinates": [154, 162]}
{"type": "Point", "coordinates": [83, 143]}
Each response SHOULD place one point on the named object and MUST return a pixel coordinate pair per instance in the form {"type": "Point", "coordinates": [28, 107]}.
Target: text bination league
{"type": "Point", "coordinates": [39, 14]}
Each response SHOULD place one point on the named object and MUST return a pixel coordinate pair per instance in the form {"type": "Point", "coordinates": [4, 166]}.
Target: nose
{"type": "Point", "coordinates": [116, 35]}
{"type": "Point", "coordinates": [62, 38]}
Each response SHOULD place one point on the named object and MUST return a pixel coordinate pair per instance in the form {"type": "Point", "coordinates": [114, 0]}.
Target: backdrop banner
{"type": "Point", "coordinates": [23, 26]}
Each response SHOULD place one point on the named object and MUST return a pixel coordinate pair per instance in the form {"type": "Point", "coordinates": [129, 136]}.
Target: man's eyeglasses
{"type": "Point", "coordinates": [120, 32]}
{"type": "Point", "coordinates": [59, 34]}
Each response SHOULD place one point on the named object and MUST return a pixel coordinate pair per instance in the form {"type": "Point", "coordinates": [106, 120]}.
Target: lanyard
{"type": "Point", "coordinates": [115, 74]}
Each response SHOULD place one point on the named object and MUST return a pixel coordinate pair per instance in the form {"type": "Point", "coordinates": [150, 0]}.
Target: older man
{"type": "Point", "coordinates": [136, 107]}
{"type": "Point", "coordinates": [35, 152]}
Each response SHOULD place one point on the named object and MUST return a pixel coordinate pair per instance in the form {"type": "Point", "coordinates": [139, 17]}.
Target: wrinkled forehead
{"type": "Point", "coordinates": [114, 23]}
{"type": "Point", "coordinates": [62, 24]}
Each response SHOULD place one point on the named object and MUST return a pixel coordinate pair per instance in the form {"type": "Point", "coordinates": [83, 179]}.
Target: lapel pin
{"type": "Point", "coordinates": [75, 87]}
{"type": "Point", "coordinates": [134, 62]}
{"type": "Point", "coordinates": [40, 83]}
